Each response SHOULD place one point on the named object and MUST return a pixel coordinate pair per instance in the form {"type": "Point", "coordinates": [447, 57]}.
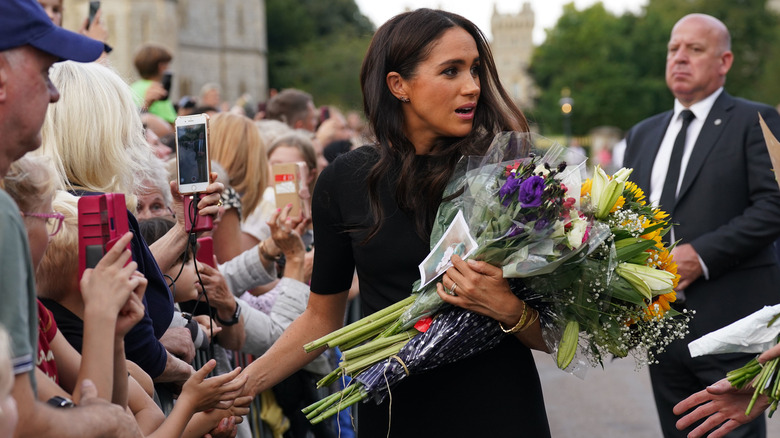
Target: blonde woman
{"type": "Point", "coordinates": [95, 137]}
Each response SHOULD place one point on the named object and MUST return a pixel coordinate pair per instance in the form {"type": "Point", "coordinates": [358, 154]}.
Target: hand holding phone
{"type": "Point", "coordinates": [192, 153]}
{"type": "Point", "coordinates": [93, 8]}
{"type": "Point", "coordinates": [290, 187]}
{"type": "Point", "coordinates": [193, 222]}
{"type": "Point", "coordinates": [166, 83]}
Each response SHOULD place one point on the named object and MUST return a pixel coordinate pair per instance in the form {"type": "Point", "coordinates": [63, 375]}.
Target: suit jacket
{"type": "Point", "coordinates": [728, 207]}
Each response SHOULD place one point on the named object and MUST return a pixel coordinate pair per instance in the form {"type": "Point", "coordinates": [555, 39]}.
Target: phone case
{"type": "Point", "coordinates": [193, 167]}
{"type": "Point", "coordinates": [202, 223]}
{"type": "Point", "coordinates": [205, 252]}
{"type": "Point", "coordinates": [102, 220]}
{"type": "Point", "coordinates": [289, 187]}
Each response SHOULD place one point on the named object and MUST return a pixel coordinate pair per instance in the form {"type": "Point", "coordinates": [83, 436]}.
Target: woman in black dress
{"type": "Point", "coordinates": [431, 95]}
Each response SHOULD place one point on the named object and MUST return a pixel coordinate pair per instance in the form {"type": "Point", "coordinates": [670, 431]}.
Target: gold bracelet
{"type": "Point", "coordinates": [530, 321]}
{"type": "Point", "coordinates": [265, 255]}
{"type": "Point", "coordinates": [519, 324]}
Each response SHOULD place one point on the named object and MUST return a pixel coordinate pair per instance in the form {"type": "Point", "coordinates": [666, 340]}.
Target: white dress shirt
{"type": "Point", "coordinates": [701, 110]}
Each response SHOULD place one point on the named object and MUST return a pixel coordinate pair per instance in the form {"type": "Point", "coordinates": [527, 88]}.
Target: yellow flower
{"type": "Point", "coordinates": [636, 192]}
{"type": "Point", "coordinates": [585, 189]}
{"type": "Point", "coordinates": [619, 204]}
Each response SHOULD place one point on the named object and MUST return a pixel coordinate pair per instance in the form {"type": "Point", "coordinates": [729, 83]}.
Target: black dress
{"type": "Point", "coordinates": [496, 393]}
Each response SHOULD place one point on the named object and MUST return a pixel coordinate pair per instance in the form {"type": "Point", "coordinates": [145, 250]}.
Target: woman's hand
{"type": "Point", "coordinates": [215, 392]}
{"type": "Point", "coordinates": [217, 289]}
{"type": "Point", "coordinates": [481, 288]}
{"type": "Point", "coordinates": [208, 205]}
{"type": "Point", "coordinates": [108, 286]}
{"type": "Point", "coordinates": [286, 233]}
{"type": "Point", "coordinates": [133, 310]}
{"type": "Point", "coordinates": [207, 325]}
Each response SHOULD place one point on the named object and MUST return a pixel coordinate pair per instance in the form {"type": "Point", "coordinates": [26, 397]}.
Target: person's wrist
{"type": "Point", "coordinates": [271, 254]}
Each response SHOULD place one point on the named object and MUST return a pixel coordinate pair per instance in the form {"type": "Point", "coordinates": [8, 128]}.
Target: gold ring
{"type": "Point", "coordinates": [219, 203]}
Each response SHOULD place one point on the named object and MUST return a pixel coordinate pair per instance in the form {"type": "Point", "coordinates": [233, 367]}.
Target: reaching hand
{"type": "Point", "coordinates": [217, 289]}
{"type": "Point", "coordinates": [133, 310]}
{"type": "Point", "coordinates": [215, 392]}
{"type": "Point", "coordinates": [286, 232]}
{"type": "Point", "coordinates": [178, 342]}
{"type": "Point", "coordinates": [720, 403]}
{"type": "Point", "coordinates": [108, 286]}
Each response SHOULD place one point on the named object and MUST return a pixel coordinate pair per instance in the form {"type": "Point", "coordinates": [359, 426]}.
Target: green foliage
{"type": "Point", "coordinates": [318, 47]}
{"type": "Point", "coordinates": [614, 66]}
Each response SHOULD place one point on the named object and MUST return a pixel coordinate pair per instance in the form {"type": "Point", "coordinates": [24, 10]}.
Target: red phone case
{"type": "Point", "coordinates": [102, 220]}
{"type": "Point", "coordinates": [205, 252]}
{"type": "Point", "coordinates": [202, 223]}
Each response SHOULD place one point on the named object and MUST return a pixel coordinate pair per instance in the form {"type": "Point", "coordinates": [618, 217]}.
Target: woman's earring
{"type": "Point", "coordinates": [404, 99]}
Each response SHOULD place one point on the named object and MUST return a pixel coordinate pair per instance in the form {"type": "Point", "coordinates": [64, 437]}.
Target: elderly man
{"type": "Point", "coordinates": [705, 162]}
{"type": "Point", "coordinates": [29, 44]}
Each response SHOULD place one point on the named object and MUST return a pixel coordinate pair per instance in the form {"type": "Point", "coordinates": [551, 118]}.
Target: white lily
{"type": "Point", "coordinates": [648, 281]}
{"type": "Point", "coordinates": [605, 191]}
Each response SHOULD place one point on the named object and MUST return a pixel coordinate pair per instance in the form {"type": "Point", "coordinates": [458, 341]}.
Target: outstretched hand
{"type": "Point", "coordinates": [215, 392]}
{"type": "Point", "coordinates": [720, 404]}
{"type": "Point", "coordinates": [109, 285]}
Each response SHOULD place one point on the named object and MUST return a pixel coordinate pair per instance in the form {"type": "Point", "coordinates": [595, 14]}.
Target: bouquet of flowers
{"type": "Point", "coordinates": [616, 298]}
{"type": "Point", "coordinates": [592, 258]}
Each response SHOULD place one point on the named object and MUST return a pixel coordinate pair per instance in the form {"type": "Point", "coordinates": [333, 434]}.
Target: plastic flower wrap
{"type": "Point", "coordinates": [587, 255]}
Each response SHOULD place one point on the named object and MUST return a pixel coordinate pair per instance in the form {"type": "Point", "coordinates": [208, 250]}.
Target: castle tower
{"type": "Point", "coordinates": [221, 41]}
{"type": "Point", "coordinates": [512, 47]}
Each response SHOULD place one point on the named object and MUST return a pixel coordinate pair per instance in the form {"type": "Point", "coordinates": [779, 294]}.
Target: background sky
{"type": "Point", "coordinates": [546, 12]}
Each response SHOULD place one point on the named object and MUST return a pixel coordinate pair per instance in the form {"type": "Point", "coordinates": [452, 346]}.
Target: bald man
{"type": "Point", "coordinates": [705, 162]}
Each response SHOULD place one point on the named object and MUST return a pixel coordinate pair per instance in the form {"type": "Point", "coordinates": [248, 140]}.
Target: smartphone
{"type": "Point", "coordinates": [290, 187]}
{"type": "Point", "coordinates": [166, 83]}
{"type": "Point", "coordinates": [93, 8]}
{"type": "Point", "coordinates": [193, 222]}
{"type": "Point", "coordinates": [192, 153]}
{"type": "Point", "coordinates": [205, 252]}
{"type": "Point", "coordinates": [102, 220]}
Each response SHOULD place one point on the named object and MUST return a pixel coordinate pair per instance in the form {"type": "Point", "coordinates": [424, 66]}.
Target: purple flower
{"type": "Point", "coordinates": [510, 186]}
{"type": "Point", "coordinates": [530, 194]}
{"type": "Point", "coordinates": [541, 224]}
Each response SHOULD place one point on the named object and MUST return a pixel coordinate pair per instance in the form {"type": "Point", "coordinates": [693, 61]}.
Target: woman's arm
{"type": "Point", "coordinates": [323, 314]}
{"type": "Point", "coordinates": [481, 288]}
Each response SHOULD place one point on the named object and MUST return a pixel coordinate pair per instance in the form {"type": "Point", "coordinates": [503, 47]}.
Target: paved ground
{"type": "Point", "coordinates": [615, 402]}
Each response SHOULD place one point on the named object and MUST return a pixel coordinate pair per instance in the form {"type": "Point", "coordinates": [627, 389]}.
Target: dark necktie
{"type": "Point", "coordinates": [669, 193]}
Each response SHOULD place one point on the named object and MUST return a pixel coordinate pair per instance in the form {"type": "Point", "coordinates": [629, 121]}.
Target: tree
{"type": "Point", "coordinates": [318, 47]}
{"type": "Point", "coordinates": [615, 66]}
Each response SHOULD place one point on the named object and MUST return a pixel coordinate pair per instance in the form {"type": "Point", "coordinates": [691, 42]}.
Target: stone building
{"type": "Point", "coordinates": [219, 41]}
{"type": "Point", "coordinates": [512, 48]}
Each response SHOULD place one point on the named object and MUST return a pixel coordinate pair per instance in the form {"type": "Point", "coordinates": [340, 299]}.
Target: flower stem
{"type": "Point", "coordinates": [370, 359]}
{"type": "Point", "coordinates": [321, 342]}
{"type": "Point", "coordinates": [376, 344]}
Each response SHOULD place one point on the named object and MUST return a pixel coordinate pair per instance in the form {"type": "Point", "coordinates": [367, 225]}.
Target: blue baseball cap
{"type": "Point", "coordinates": [24, 22]}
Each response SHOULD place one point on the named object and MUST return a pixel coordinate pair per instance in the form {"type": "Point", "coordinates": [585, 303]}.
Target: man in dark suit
{"type": "Point", "coordinates": [705, 162]}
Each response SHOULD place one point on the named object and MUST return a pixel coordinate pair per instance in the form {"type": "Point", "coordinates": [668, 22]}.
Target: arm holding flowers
{"type": "Point", "coordinates": [482, 289]}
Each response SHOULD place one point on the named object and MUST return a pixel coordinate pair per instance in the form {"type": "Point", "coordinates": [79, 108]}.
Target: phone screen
{"type": "Point", "coordinates": [192, 156]}
{"type": "Point", "coordinates": [166, 82]}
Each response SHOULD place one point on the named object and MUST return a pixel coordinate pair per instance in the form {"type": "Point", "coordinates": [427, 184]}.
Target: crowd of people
{"type": "Point", "coordinates": [149, 340]}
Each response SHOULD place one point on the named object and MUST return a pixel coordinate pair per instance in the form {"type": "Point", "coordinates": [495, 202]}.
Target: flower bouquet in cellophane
{"type": "Point", "coordinates": [596, 270]}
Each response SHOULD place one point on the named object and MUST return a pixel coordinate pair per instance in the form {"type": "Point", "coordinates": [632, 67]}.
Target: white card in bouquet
{"type": "Point", "coordinates": [748, 335]}
{"type": "Point", "coordinates": [456, 240]}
